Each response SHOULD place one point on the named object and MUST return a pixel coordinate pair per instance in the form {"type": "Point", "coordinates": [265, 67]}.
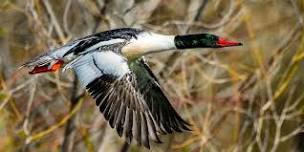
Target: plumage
{"type": "Point", "coordinates": [111, 67]}
{"type": "Point", "coordinates": [137, 93]}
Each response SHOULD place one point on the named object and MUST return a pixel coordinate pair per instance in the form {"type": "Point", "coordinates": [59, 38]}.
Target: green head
{"type": "Point", "coordinates": [202, 41]}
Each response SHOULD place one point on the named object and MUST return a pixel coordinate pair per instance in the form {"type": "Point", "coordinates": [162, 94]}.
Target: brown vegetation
{"type": "Point", "coordinates": [248, 98]}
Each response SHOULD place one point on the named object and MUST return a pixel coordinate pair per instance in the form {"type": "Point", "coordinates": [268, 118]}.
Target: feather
{"type": "Point", "coordinates": [128, 125]}
{"type": "Point", "coordinates": [134, 103]}
{"type": "Point", "coordinates": [144, 131]}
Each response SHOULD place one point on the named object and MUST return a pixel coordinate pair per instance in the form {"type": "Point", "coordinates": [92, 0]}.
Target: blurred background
{"type": "Point", "coordinates": [247, 98]}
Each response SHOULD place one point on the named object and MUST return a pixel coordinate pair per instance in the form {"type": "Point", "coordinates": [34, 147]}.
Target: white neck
{"type": "Point", "coordinates": [147, 43]}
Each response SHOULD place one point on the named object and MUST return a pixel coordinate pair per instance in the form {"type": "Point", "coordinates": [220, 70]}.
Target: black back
{"type": "Point", "coordinates": [88, 41]}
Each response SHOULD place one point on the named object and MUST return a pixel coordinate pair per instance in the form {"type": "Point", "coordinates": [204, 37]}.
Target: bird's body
{"type": "Point", "coordinates": [111, 67]}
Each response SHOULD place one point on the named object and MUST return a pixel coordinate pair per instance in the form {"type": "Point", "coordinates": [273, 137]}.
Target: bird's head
{"type": "Point", "coordinates": [202, 41]}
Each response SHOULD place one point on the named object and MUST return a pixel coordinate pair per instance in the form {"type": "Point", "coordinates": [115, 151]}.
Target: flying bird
{"type": "Point", "coordinates": [111, 66]}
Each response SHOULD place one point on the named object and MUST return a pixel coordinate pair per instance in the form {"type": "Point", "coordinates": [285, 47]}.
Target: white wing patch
{"type": "Point", "coordinates": [85, 69]}
{"type": "Point", "coordinates": [111, 63]}
{"type": "Point", "coordinates": [93, 65]}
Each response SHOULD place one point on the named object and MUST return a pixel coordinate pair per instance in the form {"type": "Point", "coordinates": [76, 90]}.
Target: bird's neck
{"type": "Point", "coordinates": [147, 43]}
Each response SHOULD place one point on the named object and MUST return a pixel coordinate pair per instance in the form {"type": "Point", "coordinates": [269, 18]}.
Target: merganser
{"type": "Point", "coordinates": [110, 65]}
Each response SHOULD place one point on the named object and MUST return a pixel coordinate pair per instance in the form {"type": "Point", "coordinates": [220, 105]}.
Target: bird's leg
{"type": "Point", "coordinates": [53, 66]}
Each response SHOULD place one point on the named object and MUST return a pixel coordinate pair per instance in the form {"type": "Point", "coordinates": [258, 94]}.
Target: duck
{"type": "Point", "coordinates": [111, 66]}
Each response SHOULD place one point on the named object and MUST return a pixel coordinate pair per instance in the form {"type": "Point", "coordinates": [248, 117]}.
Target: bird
{"type": "Point", "coordinates": [111, 66]}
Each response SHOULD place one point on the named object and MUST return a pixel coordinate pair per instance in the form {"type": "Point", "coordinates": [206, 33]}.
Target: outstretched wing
{"type": "Point", "coordinates": [129, 96]}
{"type": "Point", "coordinates": [166, 117]}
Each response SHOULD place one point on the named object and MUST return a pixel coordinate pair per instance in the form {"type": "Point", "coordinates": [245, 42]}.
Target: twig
{"type": "Point", "coordinates": [54, 20]}
{"type": "Point", "coordinates": [65, 17]}
{"type": "Point", "coordinates": [173, 57]}
{"type": "Point", "coordinates": [68, 142]}
{"type": "Point", "coordinates": [63, 121]}
{"type": "Point", "coordinates": [69, 132]}
{"type": "Point", "coordinates": [125, 147]}
{"type": "Point", "coordinates": [99, 18]}
{"type": "Point", "coordinates": [252, 79]}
